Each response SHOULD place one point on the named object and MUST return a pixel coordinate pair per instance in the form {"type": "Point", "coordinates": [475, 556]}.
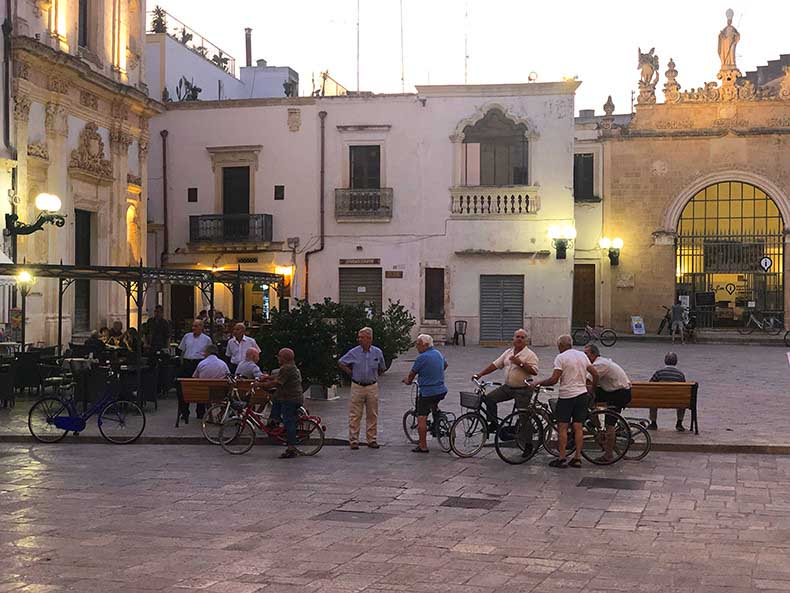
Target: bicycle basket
{"type": "Point", "coordinates": [471, 400]}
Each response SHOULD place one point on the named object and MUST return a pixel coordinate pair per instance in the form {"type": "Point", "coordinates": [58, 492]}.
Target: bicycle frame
{"type": "Point", "coordinates": [75, 421]}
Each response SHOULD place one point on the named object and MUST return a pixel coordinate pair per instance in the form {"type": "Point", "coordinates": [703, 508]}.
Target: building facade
{"type": "Point", "coordinates": [445, 200]}
{"type": "Point", "coordinates": [80, 131]}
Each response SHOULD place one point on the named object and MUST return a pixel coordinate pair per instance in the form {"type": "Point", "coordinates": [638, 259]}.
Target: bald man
{"type": "Point", "coordinates": [287, 397]}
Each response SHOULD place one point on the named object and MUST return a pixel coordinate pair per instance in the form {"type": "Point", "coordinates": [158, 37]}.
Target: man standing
{"type": "Point", "coordinates": [570, 370]}
{"type": "Point", "coordinates": [677, 322]}
{"type": "Point", "coordinates": [613, 388]}
{"type": "Point", "coordinates": [238, 345]}
{"type": "Point", "coordinates": [671, 374]}
{"type": "Point", "coordinates": [157, 330]}
{"type": "Point", "coordinates": [193, 347]}
{"type": "Point", "coordinates": [520, 364]}
{"type": "Point", "coordinates": [429, 366]}
{"type": "Point", "coordinates": [248, 368]}
{"type": "Point", "coordinates": [287, 397]}
{"type": "Point", "coordinates": [364, 364]}
{"type": "Point", "coordinates": [211, 367]}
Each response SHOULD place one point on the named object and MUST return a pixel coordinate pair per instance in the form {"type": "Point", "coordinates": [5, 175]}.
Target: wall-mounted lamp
{"type": "Point", "coordinates": [561, 237]}
{"type": "Point", "coordinates": [613, 246]}
{"type": "Point", "coordinates": [49, 204]}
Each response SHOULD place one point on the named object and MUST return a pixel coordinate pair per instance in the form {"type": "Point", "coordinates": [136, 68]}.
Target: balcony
{"type": "Point", "coordinates": [494, 202]}
{"type": "Point", "coordinates": [230, 228]}
{"type": "Point", "coordinates": [363, 205]}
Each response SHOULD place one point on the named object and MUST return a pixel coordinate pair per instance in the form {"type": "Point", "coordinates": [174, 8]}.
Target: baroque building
{"type": "Point", "coordinates": [80, 131]}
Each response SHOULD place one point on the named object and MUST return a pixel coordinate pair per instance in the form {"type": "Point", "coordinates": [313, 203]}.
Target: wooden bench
{"type": "Point", "coordinates": [666, 395]}
{"type": "Point", "coordinates": [210, 391]}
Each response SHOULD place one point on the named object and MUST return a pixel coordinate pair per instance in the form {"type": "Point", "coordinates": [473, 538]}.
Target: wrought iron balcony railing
{"type": "Point", "coordinates": [363, 204]}
{"type": "Point", "coordinates": [230, 228]}
{"type": "Point", "coordinates": [495, 201]}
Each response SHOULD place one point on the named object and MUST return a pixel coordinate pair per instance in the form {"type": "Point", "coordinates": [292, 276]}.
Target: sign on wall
{"type": "Point", "coordinates": [637, 325]}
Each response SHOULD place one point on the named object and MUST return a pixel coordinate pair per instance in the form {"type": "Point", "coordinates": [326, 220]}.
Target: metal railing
{"type": "Point", "coordinates": [352, 204]}
{"type": "Point", "coordinates": [510, 200]}
{"type": "Point", "coordinates": [161, 21]}
{"type": "Point", "coordinates": [230, 228]}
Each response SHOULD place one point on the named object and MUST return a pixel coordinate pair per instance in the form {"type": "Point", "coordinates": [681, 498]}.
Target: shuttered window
{"type": "Point", "coordinates": [501, 307]}
{"type": "Point", "coordinates": [361, 285]}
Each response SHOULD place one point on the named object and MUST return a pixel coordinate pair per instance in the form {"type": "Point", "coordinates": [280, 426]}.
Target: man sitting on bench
{"type": "Point", "coordinates": [671, 374]}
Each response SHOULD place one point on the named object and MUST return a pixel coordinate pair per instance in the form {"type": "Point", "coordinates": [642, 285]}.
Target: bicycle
{"type": "Point", "coordinates": [438, 423]}
{"type": "Point", "coordinates": [770, 323]}
{"type": "Point", "coordinates": [220, 412]}
{"type": "Point", "coordinates": [584, 335]}
{"type": "Point", "coordinates": [641, 441]}
{"type": "Point", "coordinates": [237, 434]}
{"type": "Point", "coordinates": [120, 421]}
{"type": "Point", "coordinates": [666, 321]}
{"type": "Point", "coordinates": [522, 433]}
{"type": "Point", "coordinates": [787, 339]}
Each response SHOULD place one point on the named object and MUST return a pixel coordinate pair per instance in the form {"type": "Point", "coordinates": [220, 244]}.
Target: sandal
{"type": "Point", "coordinates": [418, 450]}
{"type": "Point", "coordinates": [575, 463]}
{"type": "Point", "coordinates": [558, 463]}
{"type": "Point", "coordinates": [604, 460]}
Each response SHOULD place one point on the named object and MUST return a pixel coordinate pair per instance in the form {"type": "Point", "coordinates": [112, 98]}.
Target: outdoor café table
{"type": "Point", "coordinates": [9, 347]}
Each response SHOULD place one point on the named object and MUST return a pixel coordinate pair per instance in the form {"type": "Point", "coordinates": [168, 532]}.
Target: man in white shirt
{"type": "Point", "coordinates": [238, 345]}
{"type": "Point", "coordinates": [211, 367]}
{"type": "Point", "coordinates": [613, 389]}
{"type": "Point", "coordinates": [520, 364]}
{"type": "Point", "coordinates": [570, 371]}
{"type": "Point", "coordinates": [193, 348]}
{"type": "Point", "coordinates": [248, 368]}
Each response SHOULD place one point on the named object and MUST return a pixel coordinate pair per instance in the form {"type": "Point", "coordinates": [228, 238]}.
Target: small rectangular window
{"type": "Point", "coordinates": [583, 177]}
{"type": "Point", "coordinates": [365, 167]}
{"type": "Point", "coordinates": [82, 24]}
{"type": "Point", "coordinates": [279, 192]}
{"type": "Point", "coordinates": [192, 194]}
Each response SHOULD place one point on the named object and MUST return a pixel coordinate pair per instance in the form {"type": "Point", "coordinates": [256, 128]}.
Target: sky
{"type": "Point", "coordinates": [507, 39]}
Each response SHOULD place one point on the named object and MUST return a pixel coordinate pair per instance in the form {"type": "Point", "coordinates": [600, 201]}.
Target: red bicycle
{"type": "Point", "coordinates": [237, 435]}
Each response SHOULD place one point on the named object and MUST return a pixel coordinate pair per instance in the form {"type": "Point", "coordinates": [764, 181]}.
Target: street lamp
{"type": "Point", "coordinates": [561, 238]}
{"type": "Point", "coordinates": [24, 282]}
{"type": "Point", "coordinates": [613, 246]}
{"type": "Point", "coordinates": [49, 204]}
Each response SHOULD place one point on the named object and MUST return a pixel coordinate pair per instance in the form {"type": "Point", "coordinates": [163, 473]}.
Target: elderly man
{"type": "Point", "coordinates": [671, 374]}
{"type": "Point", "coordinates": [211, 367]}
{"type": "Point", "coordinates": [287, 397]}
{"type": "Point", "coordinates": [613, 388]}
{"type": "Point", "coordinates": [520, 364]}
{"type": "Point", "coordinates": [364, 364]}
{"type": "Point", "coordinates": [193, 349]}
{"type": "Point", "coordinates": [238, 345]}
{"type": "Point", "coordinates": [248, 368]}
{"type": "Point", "coordinates": [429, 366]}
{"type": "Point", "coordinates": [570, 371]}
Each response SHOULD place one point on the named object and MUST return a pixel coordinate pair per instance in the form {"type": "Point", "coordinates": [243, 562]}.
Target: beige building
{"type": "Point", "coordinates": [697, 188]}
{"type": "Point", "coordinates": [80, 129]}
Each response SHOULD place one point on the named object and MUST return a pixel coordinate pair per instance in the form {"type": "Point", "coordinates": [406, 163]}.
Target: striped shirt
{"type": "Point", "coordinates": [669, 374]}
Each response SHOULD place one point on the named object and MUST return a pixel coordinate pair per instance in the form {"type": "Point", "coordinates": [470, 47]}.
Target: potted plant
{"type": "Point", "coordinates": [159, 20]}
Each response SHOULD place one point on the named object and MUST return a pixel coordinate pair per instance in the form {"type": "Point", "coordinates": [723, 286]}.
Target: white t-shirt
{"type": "Point", "coordinates": [573, 381]}
{"type": "Point", "coordinates": [611, 375]}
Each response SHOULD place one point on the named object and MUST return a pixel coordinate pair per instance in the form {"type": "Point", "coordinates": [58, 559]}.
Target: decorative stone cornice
{"type": "Point", "coordinates": [21, 108]}
{"type": "Point", "coordinates": [89, 100]}
{"type": "Point", "coordinates": [246, 154]}
{"type": "Point", "coordinates": [88, 157]}
{"type": "Point", "coordinates": [58, 84]}
{"type": "Point", "coordinates": [530, 129]}
{"type": "Point", "coordinates": [55, 120]}
{"type": "Point", "coordinates": [120, 141]}
{"type": "Point", "coordinates": [38, 150]}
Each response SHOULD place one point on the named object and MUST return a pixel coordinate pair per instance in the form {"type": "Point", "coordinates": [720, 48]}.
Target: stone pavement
{"type": "Point", "coordinates": [180, 519]}
{"type": "Point", "coordinates": [743, 396]}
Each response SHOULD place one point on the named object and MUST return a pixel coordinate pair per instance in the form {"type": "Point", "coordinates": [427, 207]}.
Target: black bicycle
{"type": "Point", "coordinates": [521, 434]}
{"type": "Point", "coordinates": [438, 422]}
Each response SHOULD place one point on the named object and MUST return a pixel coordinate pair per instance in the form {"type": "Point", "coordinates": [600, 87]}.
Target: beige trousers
{"type": "Point", "coordinates": [363, 397]}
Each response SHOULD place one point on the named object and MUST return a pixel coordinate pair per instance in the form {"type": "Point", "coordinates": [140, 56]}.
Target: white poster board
{"type": "Point", "coordinates": [637, 325]}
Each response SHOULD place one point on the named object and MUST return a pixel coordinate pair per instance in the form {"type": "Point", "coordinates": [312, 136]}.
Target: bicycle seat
{"type": "Point", "coordinates": [238, 405]}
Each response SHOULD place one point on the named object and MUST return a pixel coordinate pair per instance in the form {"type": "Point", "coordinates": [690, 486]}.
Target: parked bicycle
{"type": "Point", "coordinates": [589, 333]}
{"type": "Point", "coordinates": [438, 422]}
{"type": "Point", "coordinates": [120, 421]}
{"type": "Point", "coordinates": [641, 441]}
{"type": "Point", "coordinates": [219, 412]}
{"type": "Point", "coordinates": [770, 323]}
{"type": "Point", "coordinates": [666, 321]}
{"type": "Point", "coordinates": [522, 433]}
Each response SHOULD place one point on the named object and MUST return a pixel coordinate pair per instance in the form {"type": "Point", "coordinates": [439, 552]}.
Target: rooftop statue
{"type": "Point", "coordinates": [728, 40]}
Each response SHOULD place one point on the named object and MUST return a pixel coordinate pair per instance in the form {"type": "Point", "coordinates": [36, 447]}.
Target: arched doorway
{"type": "Point", "coordinates": [729, 253]}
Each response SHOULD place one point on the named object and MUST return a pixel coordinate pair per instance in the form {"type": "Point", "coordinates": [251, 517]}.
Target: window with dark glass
{"type": "Point", "coordinates": [583, 176]}
{"type": "Point", "coordinates": [365, 167]}
{"type": "Point", "coordinates": [82, 26]}
{"type": "Point", "coordinates": [192, 194]}
{"type": "Point", "coordinates": [496, 152]}
{"type": "Point", "coordinates": [279, 192]}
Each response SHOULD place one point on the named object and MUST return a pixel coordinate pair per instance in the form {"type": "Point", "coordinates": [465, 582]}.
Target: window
{"type": "Point", "coordinates": [279, 192]}
{"type": "Point", "coordinates": [235, 190]}
{"type": "Point", "coordinates": [496, 152]}
{"type": "Point", "coordinates": [583, 177]}
{"type": "Point", "coordinates": [82, 31]}
{"type": "Point", "coordinates": [365, 167]}
{"type": "Point", "coordinates": [192, 194]}
{"type": "Point", "coordinates": [434, 293]}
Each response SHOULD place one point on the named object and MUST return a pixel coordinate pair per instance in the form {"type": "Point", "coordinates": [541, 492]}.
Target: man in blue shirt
{"type": "Point", "coordinates": [364, 364]}
{"type": "Point", "coordinates": [429, 366]}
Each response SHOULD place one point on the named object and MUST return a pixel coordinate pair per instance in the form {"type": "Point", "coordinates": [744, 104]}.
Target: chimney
{"type": "Point", "coordinates": [261, 63]}
{"type": "Point", "coordinates": [248, 39]}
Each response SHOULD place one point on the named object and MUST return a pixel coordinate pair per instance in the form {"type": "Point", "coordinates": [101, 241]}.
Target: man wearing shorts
{"type": "Point", "coordinates": [613, 389]}
{"type": "Point", "coordinates": [677, 324]}
{"type": "Point", "coordinates": [429, 366]}
{"type": "Point", "coordinates": [570, 371]}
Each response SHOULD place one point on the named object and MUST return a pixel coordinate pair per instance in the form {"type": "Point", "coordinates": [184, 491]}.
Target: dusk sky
{"type": "Point", "coordinates": [596, 41]}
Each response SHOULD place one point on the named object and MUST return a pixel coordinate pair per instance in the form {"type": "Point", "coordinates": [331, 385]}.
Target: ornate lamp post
{"type": "Point", "coordinates": [49, 204]}
{"type": "Point", "coordinates": [24, 282]}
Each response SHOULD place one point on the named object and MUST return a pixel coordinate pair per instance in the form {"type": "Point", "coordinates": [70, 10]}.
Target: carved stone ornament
{"type": "Point", "coordinates": [38, 150]}
{"type": "Point", "coordinates": [21, 108]}
{"type": "Point", "coordinates": [671, 86]}
{"type": "Point", "coordinates": [134, 179]}
{"type": "Point", "coordinates": [120, 141]}
{"type": "Point", "coordinates": [58, 85]}
{"type": "Point", "coordinates": [55, 120]}
{"type": "Point", "coordinates": [21, 69]}
{"type": "Point", "coordinates": [294, 120]}
{"type": "Point", "coordinates": [89, 154]}
{"type": "Point", "coordinates": [132, 60]}
{"type": "Point", "coordinates": [784, 87]}
{"type": "Point", "coordinates": [89, 100]}
{"type": "Point", "coordinates": [40, 6]}
{"type": "Point", "coordinates": [607, 121]}
{"type": "Point", "coordinates": [648, 76]}
{"type": "Point", "coordinates": [142, 150]}
{"type": "Point", "coordinates": [119, 110]}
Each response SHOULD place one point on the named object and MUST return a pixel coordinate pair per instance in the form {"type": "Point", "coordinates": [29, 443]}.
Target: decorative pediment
{"type": "Point", "coordinates": [482, 111]}
{"type": "Point", "coordinates": [88, 157]}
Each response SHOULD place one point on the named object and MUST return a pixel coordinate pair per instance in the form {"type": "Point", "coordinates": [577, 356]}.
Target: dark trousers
{"type": "Point", "coordinates": [505, 393]}
{"type": "Point", "coordinates": [186, 371]}
{"type": "Point", "coordinates": [287, 411]}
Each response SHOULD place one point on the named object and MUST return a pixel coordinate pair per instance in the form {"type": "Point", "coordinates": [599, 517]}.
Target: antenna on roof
{"type": "Point", "coordinates": [357, 46]}
{"type": "Point", "coordinates": [466, 43]}
{"type": "Point", "coordinates": [402, 66]}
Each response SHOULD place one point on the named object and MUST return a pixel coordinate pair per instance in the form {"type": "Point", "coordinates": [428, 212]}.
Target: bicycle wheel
{"type": "Point", "coordinates": [236, 436]}
{"type": "Point", "coordinates": [41, 417]}
{"type": "Point", "coordinates": [122, 422]}
{"type": "Point", "coordinates": [309, 436]}
{"type": "Point", "coordinates": [581, 337]}
{"type": "Point", "coordinates": [410, 426]}
{"type": "Point", "coordinates": [746, 328]}
{"type": "Point", "coordinates": [608, 337]}
{"type": "Point", "coordinates": [661, 326]}
{"type": "Point", "coordinates": [550, 435]}
{"type": "Point", "coordinates": [773, 325]}
{"type": "Point", "coordinates": [640, 442]}
{"type": "Point", "coordinates": [443, 433]}
{"type": "Point", "coordinates": [594, 445]}
{"type": "Point", "coordinates": [787, 339]}
{"type": "Point", "coordinates": [518, 437]}
{"type": "Point", "coordinates": [468, 434]}
{"type": "Point", "coordinates": [213, 419]}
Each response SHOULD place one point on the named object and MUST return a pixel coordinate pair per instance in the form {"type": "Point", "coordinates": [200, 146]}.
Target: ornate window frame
{"type": "Point", "coordinates": [241, 155]}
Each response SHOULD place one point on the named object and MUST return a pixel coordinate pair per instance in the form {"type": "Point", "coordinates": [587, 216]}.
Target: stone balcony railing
{"type": "Point", "coordinates": [363, 205]}
{"type": "Point", "coordinates": [494, 201]}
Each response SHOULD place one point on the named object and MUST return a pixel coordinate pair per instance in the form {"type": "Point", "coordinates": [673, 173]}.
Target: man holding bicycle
{"type": "Point", "coordinates": [287, 398]}
{"type": "Point", "coordinates": [613, 388]}
{"type": "Point", "coordinates": [429, 366]}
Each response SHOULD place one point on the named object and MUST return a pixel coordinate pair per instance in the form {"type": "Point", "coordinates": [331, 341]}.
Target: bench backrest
{"type": "Point", "coordinates": [661, 395]}
{"type": "Point", "coordinates": [203, 391]}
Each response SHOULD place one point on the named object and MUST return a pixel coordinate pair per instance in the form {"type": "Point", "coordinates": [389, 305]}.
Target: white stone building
{"type": "Point", "coordinates": [441, 199]}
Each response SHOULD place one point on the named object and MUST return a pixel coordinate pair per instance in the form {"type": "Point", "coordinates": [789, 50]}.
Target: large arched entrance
{"type": "Point", "coordinates": [729, 253]}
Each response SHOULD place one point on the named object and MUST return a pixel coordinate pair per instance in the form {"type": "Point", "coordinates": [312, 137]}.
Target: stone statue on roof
{"type": "Point", "coordinates": [728, 39]}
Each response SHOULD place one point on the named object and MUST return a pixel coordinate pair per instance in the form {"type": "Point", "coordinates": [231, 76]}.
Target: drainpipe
{"type": "Point", "coordinates": [322, 116]}
{"type": "Point", "coordinates": [8, 29]}
{"type": "Point", "coordinates": [165, 239]}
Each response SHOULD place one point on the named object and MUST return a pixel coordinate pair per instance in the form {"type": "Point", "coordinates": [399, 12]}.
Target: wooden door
{"type": "Point", "coordinates": [583, 294]}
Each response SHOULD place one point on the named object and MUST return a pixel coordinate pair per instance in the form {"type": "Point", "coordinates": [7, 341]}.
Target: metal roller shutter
{"type": "Point", "coordinates": [361, 285]}
{"type": "Point", "coordinates": [501, 307]}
